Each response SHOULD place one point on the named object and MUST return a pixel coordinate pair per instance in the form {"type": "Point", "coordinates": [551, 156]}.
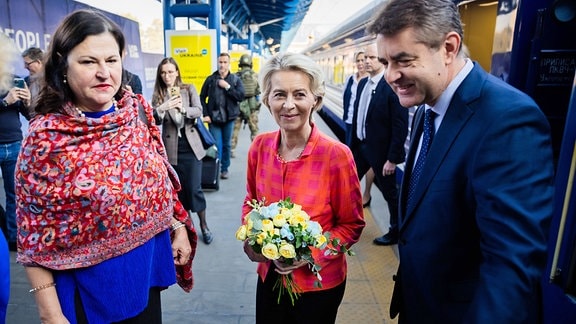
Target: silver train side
{"type": "Point", "coordinates": [531, 44]}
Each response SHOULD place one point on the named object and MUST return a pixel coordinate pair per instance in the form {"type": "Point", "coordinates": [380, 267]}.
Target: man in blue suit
{"type": "Point", "coordinates": [473, 231]}
{"type": "Point", "coordinates": [379, 130]}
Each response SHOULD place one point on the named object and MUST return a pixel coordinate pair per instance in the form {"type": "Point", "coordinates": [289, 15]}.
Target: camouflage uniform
{"type": "Point", "coordinates": [250, 106]}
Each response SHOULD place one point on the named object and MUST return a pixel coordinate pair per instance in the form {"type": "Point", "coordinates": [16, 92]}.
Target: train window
{"type": "Point", "coordinates": [338, 69]}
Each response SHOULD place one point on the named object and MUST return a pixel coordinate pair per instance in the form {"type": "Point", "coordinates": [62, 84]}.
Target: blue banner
{"type": "Point", "coordinates": [30, 23]}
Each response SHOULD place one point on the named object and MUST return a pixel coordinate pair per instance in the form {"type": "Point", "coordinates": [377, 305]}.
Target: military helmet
{"type": "Point", "coordinates": [245, 60]}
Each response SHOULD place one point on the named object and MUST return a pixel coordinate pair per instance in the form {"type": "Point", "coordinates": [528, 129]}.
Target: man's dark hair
{"type": "Point", "coordinates": [33, 53]}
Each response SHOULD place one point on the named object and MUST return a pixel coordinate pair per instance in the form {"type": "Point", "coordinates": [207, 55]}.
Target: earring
{"type": "Point", "coordinates": [65, 81]}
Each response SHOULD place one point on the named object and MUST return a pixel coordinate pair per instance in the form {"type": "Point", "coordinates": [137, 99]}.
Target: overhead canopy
{"type": "Point", "coordinates": [274, 22]}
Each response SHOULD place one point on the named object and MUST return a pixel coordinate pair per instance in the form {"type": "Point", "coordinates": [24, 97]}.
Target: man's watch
{"type": "Point", "coordinates": [5, 103]}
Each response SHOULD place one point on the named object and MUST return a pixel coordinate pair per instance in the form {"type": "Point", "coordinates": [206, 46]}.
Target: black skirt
{"type": "Point", "coordinates": [189, 170]}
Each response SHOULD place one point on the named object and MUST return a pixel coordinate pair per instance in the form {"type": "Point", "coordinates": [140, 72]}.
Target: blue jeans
{"type": "Point", "coordinates": [8, 155]}
{"type": "Point", "coordinates": [223, 135]}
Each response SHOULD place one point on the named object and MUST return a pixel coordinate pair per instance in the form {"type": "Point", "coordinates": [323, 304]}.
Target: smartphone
{"type": "Point", "coordinates": [19, 82]}
{"type": "Point", "coordinates": [174, 91]}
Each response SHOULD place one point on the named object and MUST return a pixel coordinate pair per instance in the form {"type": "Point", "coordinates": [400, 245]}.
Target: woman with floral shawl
{"type": "Point", "coordinates": [100, 227]}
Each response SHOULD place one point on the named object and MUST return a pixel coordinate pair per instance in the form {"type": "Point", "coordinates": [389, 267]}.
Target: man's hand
{"type": "Point", "coordinates": [223, 84]}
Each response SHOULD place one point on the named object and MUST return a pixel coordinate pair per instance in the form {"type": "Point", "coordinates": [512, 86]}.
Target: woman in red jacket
{"type": "Point", "coordinates": [315, 171]}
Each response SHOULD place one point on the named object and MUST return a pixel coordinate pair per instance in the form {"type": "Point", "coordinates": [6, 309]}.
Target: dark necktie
{"type": "Point", "coordinates": [427, 136]}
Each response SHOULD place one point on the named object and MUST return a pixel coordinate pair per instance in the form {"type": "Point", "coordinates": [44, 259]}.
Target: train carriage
{"type": "Point", "coordinates": [531, 45]}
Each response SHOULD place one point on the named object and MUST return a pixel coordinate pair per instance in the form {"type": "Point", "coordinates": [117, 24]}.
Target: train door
{"type": "Point", "coordinates": [559, 282]}
{"type": "Point", "coordinates": [479, 18]}
{"type": "Point", "coordinates": [535, 51]}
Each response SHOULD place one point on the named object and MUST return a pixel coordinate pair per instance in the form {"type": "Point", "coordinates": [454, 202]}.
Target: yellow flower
{"type": "Point", "coordinates": [298, 219]}
{"type": "Point", "coordinates": [287, 251]}
{"type": "Point", "coordinates": [241, 233]}
{"type": "Point", "coordinates": [270, 251]}
{"type": "Point", "coordinates": [279, 220]}
{"type": "Point", "coordinates": [261, 237]}
{"type": "Point", "coordinates": [267, 225]}
{"type": "Point", "coordinates": [320, 240]}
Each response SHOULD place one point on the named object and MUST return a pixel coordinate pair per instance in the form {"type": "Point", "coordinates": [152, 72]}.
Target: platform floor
{"type": "Point", "coordinates": [225, 280]}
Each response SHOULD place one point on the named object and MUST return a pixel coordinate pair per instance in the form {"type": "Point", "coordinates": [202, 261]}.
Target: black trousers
{"type": "Point", "coordinates": [316, 307]}
{"type": "Point", "coordinates": [387, 185]}
{"type": "Point", "coordinates": [152, 314]}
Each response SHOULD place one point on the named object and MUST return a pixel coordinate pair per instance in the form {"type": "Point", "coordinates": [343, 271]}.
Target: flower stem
{"type": "Point", "coordinates": [286, 285]}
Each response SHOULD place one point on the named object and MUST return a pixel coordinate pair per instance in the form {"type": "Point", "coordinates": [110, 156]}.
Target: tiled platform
{"type": "Point", "coordinates": [225, 280]}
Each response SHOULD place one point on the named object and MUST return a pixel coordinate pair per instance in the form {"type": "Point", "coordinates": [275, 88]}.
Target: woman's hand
{"type": "Point", "coordinates": [175, 102]}
{"type": "Point", "coordinates": [44, 291]}
{"type": "Point", "coordinates": [253, 256]}
{"type": "Point", "coordinates": [284, 268]}
{"type": "Point", "coordinates": [59, 319]}
{"type": "Point", "coordinates": [181, 249]}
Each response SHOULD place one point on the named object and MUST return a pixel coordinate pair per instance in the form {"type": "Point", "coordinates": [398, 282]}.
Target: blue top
{"type": "Point", "coordinates": [10, 125]}
{"type": "Point", "coordinates": [98, 114]}
{"type": "Point", "coordinates": [118, 288]}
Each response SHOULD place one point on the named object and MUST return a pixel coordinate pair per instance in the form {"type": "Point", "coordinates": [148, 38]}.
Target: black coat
{"type": "Point", "coordinates": [221, 105]}
{"type": "Point", "coordinates": [386, 126]}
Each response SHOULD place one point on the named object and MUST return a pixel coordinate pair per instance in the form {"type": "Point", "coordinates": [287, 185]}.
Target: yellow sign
{"type": "Point", "coordinates": [235, 58]}
{"type": "Point", "coordinates": [195, 53]}
{"type": "Point", "coordinates": [256, 63]}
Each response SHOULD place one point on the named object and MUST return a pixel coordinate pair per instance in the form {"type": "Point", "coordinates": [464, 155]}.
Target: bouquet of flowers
{"type": "Point", "coordinates": [283, 231]}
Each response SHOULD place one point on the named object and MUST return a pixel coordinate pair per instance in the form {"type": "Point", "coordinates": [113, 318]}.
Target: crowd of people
{"type": "Point", "coordinates": [104, 186]}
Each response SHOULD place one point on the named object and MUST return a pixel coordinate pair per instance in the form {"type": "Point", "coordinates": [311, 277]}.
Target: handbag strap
{"type": "Point", "coordinates": [142, 114]}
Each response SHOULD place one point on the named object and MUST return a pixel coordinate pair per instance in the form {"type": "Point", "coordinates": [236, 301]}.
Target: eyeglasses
{"type": "Point", "coordinates": [27, 64]}
{"type": "Point", "coordinates": [163, 73]}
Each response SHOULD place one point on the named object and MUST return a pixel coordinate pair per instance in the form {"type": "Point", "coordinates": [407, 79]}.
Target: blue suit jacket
{"type": "Point", "coordinates": [473, 246]}
{"type": "Point", "coordinates": [386, 126]}
{"type": "Point", "coordinates": [347, 96]}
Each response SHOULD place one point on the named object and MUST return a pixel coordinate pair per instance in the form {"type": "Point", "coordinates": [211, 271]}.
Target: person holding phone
{"type": "Point", "coordinates": [12, 103]}
{"type": "Point", "coordinates": [177, 108]}
{"type": "Point", "coordinates": [18, 94]}
{"type": "Point", "coordinates": [19, 83]}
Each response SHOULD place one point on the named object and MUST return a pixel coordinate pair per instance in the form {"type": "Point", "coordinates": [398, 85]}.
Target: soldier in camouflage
{"type": "Point", "coordinates": [250, 106]}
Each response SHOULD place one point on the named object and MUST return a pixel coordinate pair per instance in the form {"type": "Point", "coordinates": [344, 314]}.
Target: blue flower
{"type": "Point", "coordinates": [314, 228]}
{"type": "Point", "coordinates": [286, 233]}
{"type": "Point", "coordinates": [270, 211]}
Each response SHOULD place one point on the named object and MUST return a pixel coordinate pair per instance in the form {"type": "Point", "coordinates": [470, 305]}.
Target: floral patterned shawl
{"type": "Point", "coordinates": [90, 189]}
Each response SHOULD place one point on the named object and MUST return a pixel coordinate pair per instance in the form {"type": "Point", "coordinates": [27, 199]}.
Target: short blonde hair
{"type": "Point", "coordinates": [293, 62]}
{"type": "Point", "coordinates": [8, 55]}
